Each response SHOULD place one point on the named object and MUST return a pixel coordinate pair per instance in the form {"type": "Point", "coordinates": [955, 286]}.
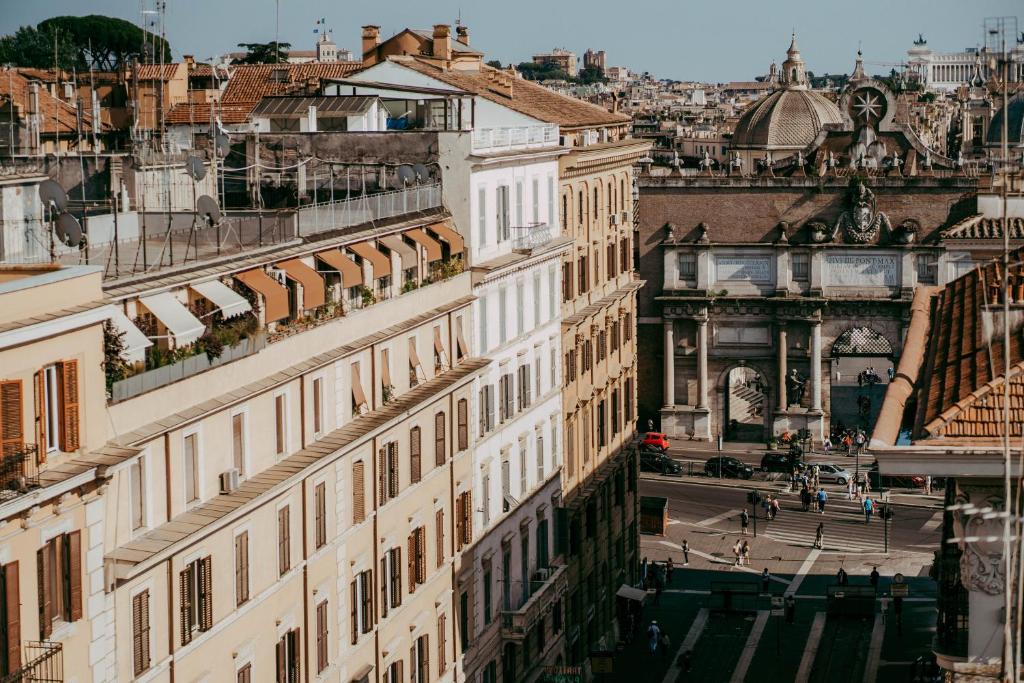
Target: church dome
{"type": "Point", "coordinates": [786, 119]}
{"type": "Point", "coordinates": [1015, 125]}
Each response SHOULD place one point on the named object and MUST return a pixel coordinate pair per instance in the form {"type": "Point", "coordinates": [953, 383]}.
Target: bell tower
{"type": "Point", "coordinates": [794, 74]}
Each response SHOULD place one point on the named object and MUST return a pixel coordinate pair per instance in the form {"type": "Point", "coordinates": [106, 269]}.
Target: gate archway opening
{"type": "Point", "coordinates": [862, 363]}
{"type": "Point", "coordinates": [746, 407]}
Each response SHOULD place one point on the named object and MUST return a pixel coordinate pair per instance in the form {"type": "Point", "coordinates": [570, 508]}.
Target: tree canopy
{"type": "Point", "coordinates": [264, 53]}
{"type": "Point", "coordinates": [550, 72]}
{"type": "Point", "coordinates": [93, 41]}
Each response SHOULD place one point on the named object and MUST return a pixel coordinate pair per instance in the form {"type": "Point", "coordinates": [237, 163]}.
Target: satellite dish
{"type": "Point", "coordinates": [406, 175]}
{"type": "Point", "coordinates": [68, 230]}
{"type": "Point", "coordinates": [53, 194]}
{"type": "Point", "coordinates": [223, 143]}
{"type": "Point", "coordinates": [206, 206]}
{"type": "Point", "coordinates": [421, 172]}
{"type": "Point", "coordinates": [195, 168]}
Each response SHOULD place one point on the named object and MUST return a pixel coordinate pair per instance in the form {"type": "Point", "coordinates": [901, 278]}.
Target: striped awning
{"type": "Point", "coordinates": [351, 273]}
{"type": "Point", "coordinates": [381, 264]}
{"type": "Point", "coordinates": [405, 251]}
{"type": "Point", "coordinates": [227, 300]}
{"type": "Point", "coordinates": [313, 291]}
{"type": "Point", "coordinates": [417, 235]}
{"type": "Point", "coordinates": [275, 296]}
{"type": "Point", "coordinates": [455, 242]}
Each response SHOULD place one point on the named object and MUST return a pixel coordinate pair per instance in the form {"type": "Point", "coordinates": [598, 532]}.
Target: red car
{"type": "Point", "coordinates": [655, 440]}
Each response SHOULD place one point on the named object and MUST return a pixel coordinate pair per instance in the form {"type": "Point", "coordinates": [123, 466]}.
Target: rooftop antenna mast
{"type": "Point", "coordinates": [277, 31]}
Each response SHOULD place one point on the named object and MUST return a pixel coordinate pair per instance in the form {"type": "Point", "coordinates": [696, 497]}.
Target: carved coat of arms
{"type": "Point", "coordinates": [862, 221]}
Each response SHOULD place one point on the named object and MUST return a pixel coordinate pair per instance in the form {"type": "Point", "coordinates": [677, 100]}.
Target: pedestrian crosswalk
{"type": "Point", "coordinates": [844, 528]}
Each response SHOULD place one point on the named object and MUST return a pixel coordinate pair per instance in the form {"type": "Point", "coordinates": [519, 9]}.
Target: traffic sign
{"type": "Point", "coordinates": [900, 590]}
{"type": "Point", "coordinates": [897, 578]}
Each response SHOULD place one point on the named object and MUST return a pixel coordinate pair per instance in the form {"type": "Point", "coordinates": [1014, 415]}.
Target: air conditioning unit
{"type": "Point", "coordinates": [613, 219]}
{"type": "Point", "coordinates": [229, 481]}
{"type": "Point", "coordinates": [625, 216]}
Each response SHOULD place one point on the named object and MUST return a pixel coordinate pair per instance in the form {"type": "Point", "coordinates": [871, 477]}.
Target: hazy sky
{"type": "Point", "coordinates": [711, 40]}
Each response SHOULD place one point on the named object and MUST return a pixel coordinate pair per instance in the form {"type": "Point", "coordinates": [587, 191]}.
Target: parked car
{"type": "Point", "coordinates": [655, 440]}
{"type": "Point", "coordinates": [833, 474]}
{"type": "Point", "coordinates": [879, 482]}
{"type": "Point", "coordinates": [781, 462]}
{"type": "Point", "coordinates": [652, 460]}
{"type": "Point", "coordinates": [729, 467]}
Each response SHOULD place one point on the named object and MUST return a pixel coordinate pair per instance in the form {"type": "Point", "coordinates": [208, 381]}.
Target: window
{"type": "Point", "coordinates": [417, 558]}
{"type": "Point", "coordinates": [195, 584]}
{"type": "Point", "coordinates": [191, 468]}
{"type": "Point", "coordinates": [570, 446]}
{"type": "Point", "coordinates": [502, 315]}
{"type": "Point", "coordinates": [485, 489]}
{"type": "Point", "coordinates": [415, 444]}
{"type": "Point", "coordinates": [463, 424]}
{"type": "Point", "coordinates": [801, 267]}
{"type": "Point", "coordinates": [581, 285]}
{"type": "Point", "coordinates": [464, 614]}
{"type": "Point", "coordinates": [281, 423]}
{"type": "Point", "coordinates": [520, 221]}
{"type": "Point", "coordinates": [358, 492]}
{"type": "Point", "coordinates": [523, 386]}
{"type": "Point", "coordinates": [57, 407]}
{"type": "Point", "coordinates": [420, 660]}
{"type": "Point", "coordinates": [602, 345]}
{"type": "Point", "coordinates": [538, 390]}
{"type": "Point", "coordinates": [611, 260]}
{"type": "Point", "coordinates": [440, 355]}
{"type": "Point", "coordinates": [579, 214]}
{"type": "Point", "coordinates": [387, 481]}
{"type": "Point", "coordinates": [318, 406]}
{"type": "Point", "coordinates": [588, 355]}
{"type": "Point", "coordinates": [536, 299]}
{"type": "Point", "coordinates": [289, 649]}
{"type": "Point", "coordinates": [415, 368]}
{"type": "Point", "coordinates": [490, 673]}
{"type": "Point", "coordinates": [505, 389]}
{"type": "Point", "coordinates": [391, 580]}
{"type": "Point", "coordinates": [359, 403]}
{"type": "Point", "coordinates": [140, 634]}
{"type": "Point", "coordinates": [565, 210]}
{"type": "Point", "coordinates": [361, 595]}
{"type": "Point", "coordinates": [535, 186]}
{"type": "Point", "coordinates": [242, 568]}
{"type": "Point", "coordinates": [442, 650]}
{"type": "Point", "coordinates": [284, 540]}
{"type": "Point", "coordinates": [553, 365]}
{"type": "Point", "coordinates": [486, 409]}
{"type": "Point", "coordinates": [59, 566]}
{"type": "Point", "coordinates": [629, 399]}
{"type": "Point", "coordinates": [482, 314]}
{"type": "Point", "coordinates": [464, 519]}
{"type": "Point", "coordinates": [439, 538]}
{"type": "Point", "coordinates": [624, 254]}
{"type": "Point", "coordinates": [688, 266]}
{"type": "Point", "coordinates": [440, 438]}
{"type": "Point", "coordinates": [238, 442]}
{"type": "Point", "coordinates": [540, 456]}
{"type": "Point", "coordinates": [628, 327]}
{"type": "Point", "coordinates": [523, 485]}
{"type": "Point", "coordinates": [244, 674]}
{"type": "Point", "coordinates": [597, 268]}
{"type": "Point", "coordinates": [488, 593]}
{"type": "Point", "coordinates": [567, 281]}
{"type": "Point", "coordinates": [322, 634]}
{"type": "Point", "coordinates": [601, 426]}
{"type": "Point", "coordinates": [552, 293]}
{"type": "Point", "coordinates": [481, 217]}
{"type": "Point", "coordinates": [137, 494]}
{"type": "Point", "coordinates": [542, 543]}
{"type": "Point", "coordinates": [927, 269]}
{"type": "Point", "coordinates": [387, 387]}
{"type": "Point", "coordinates": [503, 213]}
{"type": "Point", "coordinates": [320, 504]}
{"type": "Point", "coordinates": [615, 412]}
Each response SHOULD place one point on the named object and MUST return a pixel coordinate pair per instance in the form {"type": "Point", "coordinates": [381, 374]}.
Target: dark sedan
{"type": "Point", "coordinates": [725, 466]}
{"type": "Point", "coordinates": [656, 461]}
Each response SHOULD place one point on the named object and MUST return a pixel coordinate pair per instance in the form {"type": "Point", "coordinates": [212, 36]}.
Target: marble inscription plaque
{"type": "Point", "coordinates": [856, 270]}
{"type": "Point", "coordinates": [743, 268]}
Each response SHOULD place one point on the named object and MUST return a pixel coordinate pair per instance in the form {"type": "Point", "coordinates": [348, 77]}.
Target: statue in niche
{"type": "Point", "coordinates": [795, 384]}
{"type": "Point", "coordinates": [862, 221]}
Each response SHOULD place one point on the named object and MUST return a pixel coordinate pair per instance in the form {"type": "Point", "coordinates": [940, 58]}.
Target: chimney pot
{"type": "Point", "coordinates": [371, 39]}
{"type": "Point", "coordinates": [463, 34]}
{"type": "Point", "coordinates": [442, 47]}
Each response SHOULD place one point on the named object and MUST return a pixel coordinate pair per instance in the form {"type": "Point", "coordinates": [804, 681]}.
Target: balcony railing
{"type": "Point", "coordinates": [345, 213]}
{"type": "Point", "coordinates": [514, 137]}
{"type": "Point", "coordinates": [44, 663]}
{"type": "Point", "coordinates": [19, 471]}
{"type": "Point", "coordinates": [548, 585]}
{"type": "Point", "coordinates": [530, 237]}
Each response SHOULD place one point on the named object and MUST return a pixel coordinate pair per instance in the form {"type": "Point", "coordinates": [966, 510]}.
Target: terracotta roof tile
{"type": "Point", "coordinates": [198, 113]}
{"type": "Point", "coordinates": [57, 115]}
{"type": "Point", "coordinates": [253, 82]}
{"type": "Point", "coordinates": [155, 72]}
{"type": "Point", "coordinates": [979, 227]}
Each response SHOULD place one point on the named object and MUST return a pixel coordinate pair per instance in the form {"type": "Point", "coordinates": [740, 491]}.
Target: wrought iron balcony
{"type": "Point", "coordinates": [547, 586]}
{"type": "Point", "coordinates": [44, 663]}
{"type": "Point", "coordinates": [19, 470]}
{"type": "Point", "coordinates": [530, 237]}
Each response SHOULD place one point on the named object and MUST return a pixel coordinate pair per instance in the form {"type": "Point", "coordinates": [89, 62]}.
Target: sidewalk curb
{"type": "Point", "coordinates": [764, 486]}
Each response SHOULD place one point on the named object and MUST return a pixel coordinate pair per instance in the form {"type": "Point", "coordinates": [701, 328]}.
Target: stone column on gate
{"type": "Point", "coordinates": [816, 365]}
{"type": "Point", "coordinates": [670, 364]}
{"type": "Point", "coordinates": [783, 350]}
{"type": "Point", "coordinates": [702, 362]}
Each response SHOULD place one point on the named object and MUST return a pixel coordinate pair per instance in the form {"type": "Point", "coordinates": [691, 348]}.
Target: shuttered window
{"type": "Point", "coordinates": [322, 652]}
{"type": "Point", "coordinates": [136, 494]}
{"type": "Point", "coordinates": [10, 614]}
{"type": "Point", "coordinates": [12, 435]}
{"type": "Point", "coordinates": [358, 492]}
{"type": "Point", "coordinates": [419, 660]}
{"type": "Point", "coordinates": [284, 541]}
{"type": "Point", "coordinates": [244, 674]}
{"type": "Point", "coordinates": [287, 654]}
{"type": "Point", "coordinates": [242, 568]}
{"type": "Point", "coordinates": [280, 424]}
{"type": "Point", "coordinates": [59, 570]}
{"type": "Point", "coordinates": [440, 446]}
{"type": "Point", "coordinates": [392, 451]}
{"type": "Point", "coordinates": [191, 457]}
{"type": "Point", "coordinates": [464, 519]}
{"type": "Point", "coordinates": [463, 424]}
{"type": "Point", "coordinates": [366, 600]}
{"type": "Point", "coordinates": [393, 579]}
{"type": "Point", "coordinates": [320, 505]}
{"type": "Point", "coordinates": [442, 638]}
{"type": "Point", "coordinates": [439, 537]}
{"type": "Point", "coordinates": [318, 405]}
{"type": "Point", "coordinates": [238, 442]}
{"type": "Point", "coordinates": [415, 445]}
{"type": "Point", "coordinates": [68, 385]}
{"type": "Point", "coordinates": [421, 554]}
{"type": "Point", "coordinates": [195, 585]}
{"type": "Point", "coordinates": [140, 632]}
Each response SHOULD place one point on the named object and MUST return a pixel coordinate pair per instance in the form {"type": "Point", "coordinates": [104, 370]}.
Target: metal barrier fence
{"type": "Point", "coordinates": [44, 663]}
{"type": "Point", "coordinates": [345, 213]}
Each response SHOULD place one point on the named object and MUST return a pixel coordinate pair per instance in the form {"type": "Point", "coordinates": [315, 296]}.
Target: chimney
{"type": "Point", "coordinates": [190, 62]}
{"type": "Point", "coordinates": [462, 32]}
{"type": "Point", "coordinates": [371, 39]}
{"type": "Point", "coordinates": [442, 42]}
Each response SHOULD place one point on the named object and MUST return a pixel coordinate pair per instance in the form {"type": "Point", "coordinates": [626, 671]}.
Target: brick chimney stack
{"type": "Point", "coordinates": [462, 32]}
{"type": "Point", "coordinates": [371, 39]}
{"type": "Point", "coordinates": [442, 42]}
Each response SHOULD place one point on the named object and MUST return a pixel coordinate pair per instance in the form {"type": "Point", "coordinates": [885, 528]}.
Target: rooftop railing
{"type": "Point", "coordinates": [345, 213]}
{"type": "Point", "coordinates": [514, 137]}
{"type": "Point", "coordinates": [530, 237]}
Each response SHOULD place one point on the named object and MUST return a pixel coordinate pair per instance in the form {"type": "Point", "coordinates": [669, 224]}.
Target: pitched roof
{"type": "Point", "coordinates": [57, 116]}
{"type": "Point", "coordinates": [959, 393]}
{"type": "Point", "coordinates": [526, 96]}
{"type": "Point", "coordinates": [157, 72]}
{"type": "Point", "coordinates": [979, 227]}
{"type": "Point", "coordinates": [253, 82]}
{"type": "Point", "coordinates": [198, 113]}
{"type": "Point", "coordinates": [298, 105]}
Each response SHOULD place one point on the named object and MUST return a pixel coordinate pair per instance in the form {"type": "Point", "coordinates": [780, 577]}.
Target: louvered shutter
{"type": "Point", "coordinates": [358, 493]}
{"type": "Point", "coordinates": [425, 669]}
{"type": "Point", "coordinates": [353, 616]}
{"type": "Point", "coordinates": [321, 636]}
{"type": "Point", "coordinates": [439, 534]}
{"type": "Point", "coordinates": [140, 632]}
{"type": "Point", "coordinates": [12, 590]}
{"type": "Point", "coordinates": [414, 454]}
{"type": "Point", "coordinates": [12, 435]}
{"type": "Point", "coordinates": [39, 380]}
{"type": "Point", "coordinates": [320, 494]}
{"type": "Point", "coordinates": [185, 597]}
{"type": "Point", "coordinates": [392, 449]}
{"type": "Point", "coordinates": [284, 540]}
{"type": "Point", "coordinates": [412, 562]}
{"type": "Point", "coordinates": [69, 433]}
{"type": "Point", "coordinates": [396, 580]}
{"type": "Point", "coordinates": [281, 656]}
{"type": "Point", "coordinates": [421, 554]}
{"type": "Point", "coordinates": [467, 511]}
{"type": "Point", "coordinates": [463, 419]}
{"type": "Point", "coordinates": [458, 523]}
{"type": "Point", "coordinates": [45, 599]}
{"type": "Point", "coordinates": [442, 637]}
{"type": "Point", "coordinates": [384, 585]}
{"type": "Point", "coordinates": [400, 678]}
{"type": "Point", "coordinates": [439, 439]}
{"type": "Point", "coordinates": [74, 549]}
{"type": "Point", "coordinates": [412, 663]}
{"type": "Point", "coordinates": [206, 600]}
{"type": "Point", "coordinates": [382, 476]}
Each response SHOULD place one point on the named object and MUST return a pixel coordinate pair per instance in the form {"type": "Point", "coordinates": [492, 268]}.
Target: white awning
{"type": "Point", "coordinates": [631, 593]}
{"type": "Point", "coordinates": [230, 302]}
{"type": "Point", "coordinates": [182, 326]}
{"type": "Point", "coordinates": [135, 342]}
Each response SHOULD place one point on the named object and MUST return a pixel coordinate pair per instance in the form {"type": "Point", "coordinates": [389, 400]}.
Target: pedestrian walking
{"type": "Point", "coordinates": [736, 552]}
{"type": "Point", "coordinates": [805, 498]}
{"type": "Point", "coordinates": [745, 553]}
{"type": "Point", "coordinates": [891, 372]}
{"type": "Point", "coordinates": [669, 567]}
{"type": "Point", "coordinates": [766, 581]}
{"type": "Point", "coordinates": [842, 578]}
{"type": "Point", "coordinates": [686, 552]}
{"type": "Point", "coordinates": [822, 499]}
{"type": "Point", "coordinates": [650, 425]}
{"type": "Point", "coordinates": [664, 642]}
{"type": "Point", "coordinates": [828, 443]}
{"type": "Point", "coordinates": [860, 440]}
{"type": "Point", "coordinates": [819, 536]}
{"type": "Point", "coordinates": [744, 521]}
{"type": "Point", "coordinates": [851, 489]}
{"type": "Point", "coordinates": [874, 579]}
{"type": "Point", "coordinates": [653, 636]}
{"type": "Point", "coordinates": [869, 509]}
{"type": "Point", "coordinates": [814, 476]}
{"type": "Point", "coordinates": [775, 507]}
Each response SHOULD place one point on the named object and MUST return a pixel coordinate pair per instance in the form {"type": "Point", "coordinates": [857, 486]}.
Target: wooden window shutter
{"type": "Point", "coordinates": [396, 579]}
{"type": "Point", "coordinates": [320, 495]}
{"type": "Point", "coordinates": [354, 621]}
{"type": "Point", "coordinates": [467, 511]}
{"type": "Point", "coordinates": [439, 533]}
{"type": "Point", "coordinates": [392, 449]}
{"type": "Point", "coordinates": [321, 636]}
{"type": "Point", "coordinates": [185, 598]}
{"type": "Point", "coordinates": [40, 406]}
{"type": "Point", "coordinates": [439, 438]}
{"type": "Point", "coordinates": [242, 567]}
{"type": "Point", "coordinates": [75, 574]}
{"type": "Point", "coordinates": [442, 637]}
{"type": "Point", "coordinates": [140, 632]}
{"type": "Point", "coordinates": [281, 658]}
{"type": "Point", "coordinates": [413, 665]}
{"type": "Point", "coordinates": [382, 476]}
{"type": "Point", "coordinates": [13, 592]}
{"type": "Point", "coordinates": [12, 434]}
{"type": "Point", "coordinates": [415, 442]}
{"type": "Point", "coordinates": [458, 523]}
{"type": "Point", "coordinates": [244, 674]}
{"type": "Point", "coordinates": [412, 562]}
{"type": "Point", "coordinates": [463, 408]}
{"type": "Point", "coordinates": [69, 434]}
{"type": "Point", "coordinates": [206, 599]}
{"type": "Point", "coordinates": [421, 554]}
{"type": "Point", "coordinates": [425, 669]}
{"type": "Point", "coordinates": [284, 540]}
{"type": "Point", "coordinates": [358, 492]}
{"type": "Point", "coordinates": [45, 599]}
{"type": "Point", "coordinates": [384, 584]}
